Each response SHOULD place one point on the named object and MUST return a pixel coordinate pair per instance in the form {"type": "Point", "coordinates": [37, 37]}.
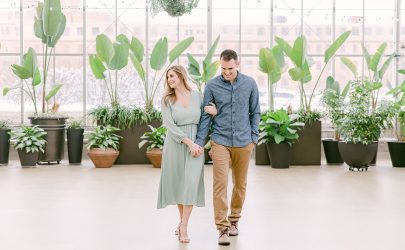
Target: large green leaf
{"type": "Point", "coordinates": [210, 71]}
{"type": "Point", "coordinates": [349, 64]}
{"type": "Point", "coordinates": [296, 74]}
{"type": "Point", "coordinates": [36, 78]}
{"type": "Point", "coordinates": [120, 58]}
{"type": "Point", "coordinates": [330, 52]}
{"type": "Point", "coordinates": [307, 73]}
{"type": "Point", "coordinates": [279, 56]}
{"type": "Point", "coordinates": [375, 60]}
{"type": "Point", "coordinates": [138, 67]}
{"type": "Point", "coordinates": [401, 71]}
{"type": "Point", "coordinates": [299, 53]}
{"type": "Point", "coordinates": [193, 66]}
{"type": "Point", "coordinates": [137, 48]}
{"type": "Point", "coordinates": [60, 32]}
{"type": "Point", "coordinates": [267, 62]}
{"type": "Point", "coordinates": [21, 72]}
{"type": "Point", "coordinates": [55, 89]}
{"type": "Point", "coordinates": [104, 48]}
{"type": "Point", "coordinates": [332, 84]}
{"type": "Point", "coordinates": [30, 61]}
{"type": "Point", "coordinates": [123, 39]}
{"type": "Point", "coordinates": [284, 46]}
{"type": "Point", "coordinates": [279, 138]}
{"type": "Point", "coordinates": [52, 17]}
{"type": "Point", "coordinates": [366, 54]}
{"type": "Point", "coordinates": [180, 48]}
{"type": "Point", "coordinates": [211, 51]}
{"type": "Point", "coordinates": [159, 54]}
{"type": "Point", "coordinates": [385, 66]}
{"type": "Point", "coordinates": [345, 90]}
{"type": "Point", "coordinates": [97, 67]}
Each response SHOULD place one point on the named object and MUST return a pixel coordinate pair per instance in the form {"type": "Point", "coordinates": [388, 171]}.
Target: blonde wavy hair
{"type": "Point", "coordinates": [169, 95]}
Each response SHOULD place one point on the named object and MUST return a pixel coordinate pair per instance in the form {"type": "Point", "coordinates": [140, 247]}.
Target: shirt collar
{"type": "Point", "coordinates": [236, 79]}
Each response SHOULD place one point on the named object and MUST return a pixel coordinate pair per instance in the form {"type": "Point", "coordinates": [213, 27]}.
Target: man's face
{"type": "Point", "coordinates": [229, 69]}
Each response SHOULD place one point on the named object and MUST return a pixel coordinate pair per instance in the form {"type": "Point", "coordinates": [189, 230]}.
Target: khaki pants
{"type": "Point", "coordinates": [238, 159]}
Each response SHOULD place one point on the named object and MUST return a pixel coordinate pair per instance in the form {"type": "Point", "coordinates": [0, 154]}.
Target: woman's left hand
{"type": "Point", "coordinates": [211, 109]}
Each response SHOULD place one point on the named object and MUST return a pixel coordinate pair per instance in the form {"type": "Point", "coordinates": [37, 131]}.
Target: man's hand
{"type": "Point", "coordinates": [211, 109]}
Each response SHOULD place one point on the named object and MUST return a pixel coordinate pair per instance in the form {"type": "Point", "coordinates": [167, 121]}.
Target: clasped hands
{"type": "Point", "coordinates": [195, 149]}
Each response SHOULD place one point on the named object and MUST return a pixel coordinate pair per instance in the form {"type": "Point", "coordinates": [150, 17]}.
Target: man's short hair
{"type": "Point", "coordinates": [228, 55]}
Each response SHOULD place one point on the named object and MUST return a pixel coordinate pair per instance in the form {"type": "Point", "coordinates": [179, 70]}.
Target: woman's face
{"type": "Point", "coordinates": [173, 80]}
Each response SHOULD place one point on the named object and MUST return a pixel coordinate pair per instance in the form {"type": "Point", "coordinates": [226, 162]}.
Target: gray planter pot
{"type": "Point", "coordinates": [28, 159]}
{"type": "Point", "coordinates": [358, 156]}
{"type": "Point", "coordinates": [4, 146]}
{"type": "Point", "coordinates": [307, 150]}
{"type": "Point", "coordinates": [55, 138]}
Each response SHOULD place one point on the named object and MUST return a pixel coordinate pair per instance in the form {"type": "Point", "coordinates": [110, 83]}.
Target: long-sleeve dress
{"type": "Point", "coordinates": [182, 176]}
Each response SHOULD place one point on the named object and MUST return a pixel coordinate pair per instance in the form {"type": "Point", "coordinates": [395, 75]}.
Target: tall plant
{"type": "Point", "coordinates": [200, 75]}
{"type": "Point", "coordinates": [110, 57]}
{"type": "Point", "coordinates": [399, 94]}
{"type": "Point", "coordinates": [375, 72]}
{"type": "Point", "coordinates": [159, 58]}
{"type": "Point", "coordinates": [49, 26]}
{"type": "Point", "coordinates": [301, 71]}
{"type": "Point", "coordinates": [271, 62]}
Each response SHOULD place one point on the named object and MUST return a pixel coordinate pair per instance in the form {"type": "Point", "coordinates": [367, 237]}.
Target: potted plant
{"type": "Point", "coordinates": [49, 26]}
{"type": "Point", "coordinates": [397, 148]}
{"type": "Point", "coordinates": [333, 100]}
{"type": "Point", "coordinates": [74, 133]}
{"type": "Point", "coordinates": [29, 141]}
{"type": "Point", "coordinates": [308, 150]}
{"type": "Point", "coordinates": [200, 74]}
{"type": "Point", "coordinates": [155, 138]}
{"type": "Point", "coordinates": [174, 8]}
{"type": "Point", "coordinates": [4, 142]}
{"type": "Point", "coordinates": [103, 146]}
{"type": "Point", "coordinates": [278, 130]}
{"type": "Point", "coordinates": [376, 71]}
{"type": "Point", "coordinates": [361, 126]}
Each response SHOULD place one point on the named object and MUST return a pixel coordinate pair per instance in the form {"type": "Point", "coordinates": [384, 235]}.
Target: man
{"type": "Point", "coordinates": [234, 134]}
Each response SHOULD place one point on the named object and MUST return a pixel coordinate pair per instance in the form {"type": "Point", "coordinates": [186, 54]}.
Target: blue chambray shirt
{"type": "Point", "coordinates": [237, 121]}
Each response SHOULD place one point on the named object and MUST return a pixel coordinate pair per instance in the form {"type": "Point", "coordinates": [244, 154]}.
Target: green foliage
{"type": "Point", "coordinates": [158, 59]}
{"type": "Point", "coordinates": [271, 62]}
{"type": "Point", "coordinates": [75, 124]}
{"type": "Point", "coordinates": [110, 57]}
{"type": "Point", "coordinates": [361, 123]}
{"type": "Point", "coordinates": [301, 72]}
{"type": "Point", "coordinates": [309, 116]}
{"type": "Point", "coordinates": [155, 138]}
{"type": "Point", "coordinates": [4, 124]}
{"type": "Point", "coordinates": [104, 137]}
{"type": "Point", "coordinates": [279, 127]}
{"type": "Point", "coordinates": [29, 139]}
{"type": "Point", "coordinates": [124, 117]}
{"type": "Point", "coordinates": [174, 8]}
{"type": "Point", "coordinates": [209, 68]}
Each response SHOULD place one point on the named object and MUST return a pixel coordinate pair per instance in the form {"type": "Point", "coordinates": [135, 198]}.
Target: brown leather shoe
{"type": "Point", "coordinates": [224, 237]}
{"type": "Point", "coordinates": [234, 229]}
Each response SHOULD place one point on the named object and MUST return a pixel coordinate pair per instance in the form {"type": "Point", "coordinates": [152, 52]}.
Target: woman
{"type": "Point", "coordinates": [182, 179]}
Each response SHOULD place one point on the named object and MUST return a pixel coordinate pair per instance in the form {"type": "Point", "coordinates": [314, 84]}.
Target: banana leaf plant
{"type": "Point", "coordinates": [375, 72]}
{"type": "Point", "coordinates": [159, 58]}
{"type": "Point", "coordinates": [110, 58]}
{"type": "Point", "coordinates": [49, 26]}
{"type": "Point", "coordinates": [333, 98]}
{"type": "Point", "coordinates": [30, 77]}
{"type": "Point", "coordinates": [399, 94]}
{"type": "Point", "coordinates": [301, 71]}
{"type": "Point", "coordinates": [272, 63]}
{"type": "Point", "coordinates": [201, 74]}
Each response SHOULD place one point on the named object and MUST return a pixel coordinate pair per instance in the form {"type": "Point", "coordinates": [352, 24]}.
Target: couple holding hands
{"type": "Point", "coordinates": [233, 120]}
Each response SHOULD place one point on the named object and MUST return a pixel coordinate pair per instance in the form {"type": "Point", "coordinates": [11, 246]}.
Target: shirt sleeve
{"type": "Point", "coordinates": [254, 113]}
{"type": "Point", "coordinates": [177, 134]}
{"type": "Point", "coordinates": [205, 119]}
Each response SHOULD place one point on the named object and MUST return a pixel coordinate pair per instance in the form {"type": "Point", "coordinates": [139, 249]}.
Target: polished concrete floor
{"type": "Point", "coordinates": [312, 207]}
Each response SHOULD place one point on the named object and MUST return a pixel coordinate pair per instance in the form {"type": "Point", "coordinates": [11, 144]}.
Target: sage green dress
{"type": "Point", "coordinates": [182, 177]}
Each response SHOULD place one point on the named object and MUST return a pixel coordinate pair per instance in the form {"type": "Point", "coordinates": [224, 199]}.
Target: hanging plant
{"type": "Point", "coordinates": [174, 8]}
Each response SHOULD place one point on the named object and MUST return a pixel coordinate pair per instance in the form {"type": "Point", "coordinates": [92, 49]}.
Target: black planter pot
{"type": "Point", "coordinates": [397, 153]}
{"type": "Point", "coordinates": [55, 138]}
{"type": "Point", "coordinates": [331, 149]}
{"type": "Point", "coordinates": [261, 155]}
{"type": "Point", "coordinates": [374, 160]}
{"type": "Point", "coordinates": [75, 145]}
{"type": "Point", "coordinates": [307, 150]}
{"type": "Point", "coordinates": [4, 146]}
{"type": "Point", "coordinates": [357, 156]}
{"type": "Point", "coordinates": [279, 155]}
{"type": "Point", "coordinates": [28, 159]}
{"type": "Point", "coordinates": [129, 151]}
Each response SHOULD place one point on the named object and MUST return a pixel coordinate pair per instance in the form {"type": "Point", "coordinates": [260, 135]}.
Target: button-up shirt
{"type": "Point", "coordinates": [237, 121]}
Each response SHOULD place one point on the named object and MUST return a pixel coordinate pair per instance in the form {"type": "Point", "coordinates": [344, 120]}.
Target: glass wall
{"type": "Point", "coordinates": [245, 26]}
